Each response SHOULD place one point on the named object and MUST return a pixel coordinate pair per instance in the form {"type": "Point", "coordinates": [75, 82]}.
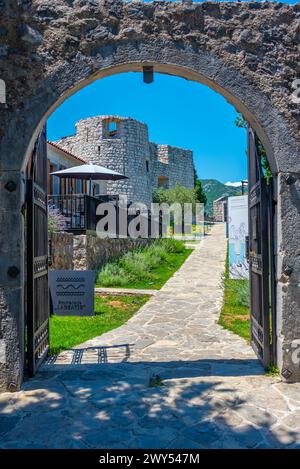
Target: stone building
{"type": "Point", "coordinates": [122, 144]}
{"type": "Point", "coordinates": [58, 159]}
{"type": "Point", "coordinates": [220, 208]}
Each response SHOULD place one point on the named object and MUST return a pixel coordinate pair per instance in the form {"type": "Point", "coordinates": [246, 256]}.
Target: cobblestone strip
{"type": "Point", "coordinates": [169, 378]}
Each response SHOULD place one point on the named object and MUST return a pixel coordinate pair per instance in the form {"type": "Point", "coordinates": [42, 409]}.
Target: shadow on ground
{"type": "Point", "coordinates": [199, 404]}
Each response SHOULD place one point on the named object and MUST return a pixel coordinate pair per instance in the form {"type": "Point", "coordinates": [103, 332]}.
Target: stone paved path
{"type": "Point", "coordinates": [215, 393]}
{"type": "Point", "coordinates": [125, 291]}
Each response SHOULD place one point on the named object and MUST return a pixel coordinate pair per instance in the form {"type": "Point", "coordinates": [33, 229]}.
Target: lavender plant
{"type": "Point", "coordinates": [56, 220]}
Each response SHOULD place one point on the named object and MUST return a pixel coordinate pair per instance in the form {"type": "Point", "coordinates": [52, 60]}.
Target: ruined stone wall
{"type": "Point", "coordinates": [125, 152]}
{"type": "Point", "coordinates": [128, 151]}
{"type": "Point", "coordinates": [176, 164]}
{"type": "Point", "coordinates": [159, 164]}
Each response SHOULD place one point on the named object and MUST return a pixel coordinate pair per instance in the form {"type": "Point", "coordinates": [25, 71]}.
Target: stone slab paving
{"type": "Point", "coordinates": [125, 291]}
{"type": "Point", "coordinates": [215, 393]}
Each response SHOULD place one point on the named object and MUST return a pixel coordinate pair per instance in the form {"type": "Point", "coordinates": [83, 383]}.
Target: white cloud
{"type": "Point", "coordinates": [233, 184]}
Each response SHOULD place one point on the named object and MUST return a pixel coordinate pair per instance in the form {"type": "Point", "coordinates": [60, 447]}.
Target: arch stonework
{"type": "Point", "coordinates": [248, 52]}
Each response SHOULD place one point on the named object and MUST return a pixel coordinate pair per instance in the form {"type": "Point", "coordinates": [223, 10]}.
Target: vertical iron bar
{"type": "Point", "coordinates": [30, 279]}
{"type": "Point", "coordinates": [265, 272]}
{"type": "Point", "coordinates": [271, 210]}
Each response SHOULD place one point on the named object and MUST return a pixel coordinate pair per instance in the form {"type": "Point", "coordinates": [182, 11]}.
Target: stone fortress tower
{"type": "Point", "coordinates": [122, 144]}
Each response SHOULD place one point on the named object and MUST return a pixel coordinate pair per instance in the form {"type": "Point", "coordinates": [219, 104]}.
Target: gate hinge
{"type": "Point", "coordinates": [286, 373]}
{"type": "Point", "coordinates": [10, 186]}
{"type": "Point", "coordinates": [290, 180]}
{"type": "Point", "coordinates": [13, 271]}
{"type": "Point", "coordinates": [288, 270]}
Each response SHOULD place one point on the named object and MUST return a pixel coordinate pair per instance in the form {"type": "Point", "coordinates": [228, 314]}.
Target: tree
{"type": "Point", "coordinates": [242, 123]}
{"type": "Point", "coordinates": [176, 194]}
{"type": "Point", "coordinates": [264, 161]}
{"type": "Point", "coordinates": [200, 194]}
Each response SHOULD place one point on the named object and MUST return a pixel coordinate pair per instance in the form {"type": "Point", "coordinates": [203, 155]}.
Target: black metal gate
{"type": "Point", "coordinates": [261, 256]}
{"type": "Point", "coordinates": [37, 258]}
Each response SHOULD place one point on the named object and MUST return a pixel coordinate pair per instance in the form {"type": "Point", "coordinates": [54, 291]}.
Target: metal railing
{"type": "Point", "coordinates": [79, 212]}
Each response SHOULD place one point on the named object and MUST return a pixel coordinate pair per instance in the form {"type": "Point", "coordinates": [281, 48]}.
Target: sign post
{"type": "Point", "coordinates": [72, 292]}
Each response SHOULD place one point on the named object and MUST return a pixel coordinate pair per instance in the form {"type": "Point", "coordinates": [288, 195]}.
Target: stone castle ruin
{"type": "Point", "coordinates": [122, 144]}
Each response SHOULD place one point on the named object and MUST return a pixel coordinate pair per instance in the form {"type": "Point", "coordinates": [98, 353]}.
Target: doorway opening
{"type": "Point", "coordinates": [262, 206]}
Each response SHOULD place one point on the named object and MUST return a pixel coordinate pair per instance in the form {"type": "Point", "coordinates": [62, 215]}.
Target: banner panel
{"type": "Point", "coordinates": [237, 232]}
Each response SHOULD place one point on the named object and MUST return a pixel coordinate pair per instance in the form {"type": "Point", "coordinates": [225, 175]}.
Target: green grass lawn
{"type": "Point", "coordinates": [110, 312]}
{"type": "Point", "coordinates": [235, 314]}
{"type": "Point", "coordinates": [199, 229]}
{"type": "Point", "coordinates": [161, 273]}
{"type": "Point", "coordinates": [147, 268]}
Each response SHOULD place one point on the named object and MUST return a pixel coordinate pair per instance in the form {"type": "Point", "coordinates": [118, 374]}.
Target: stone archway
{"type": "Point", "coordinates": [246, 52]}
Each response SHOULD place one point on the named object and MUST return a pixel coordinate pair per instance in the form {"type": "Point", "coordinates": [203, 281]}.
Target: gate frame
{"type": "Point", "coordinates": [29, 109]}
{"type": "Point", "coordinates": [260, 194]}
{"type": "Point", "coordinates": [38, 338]}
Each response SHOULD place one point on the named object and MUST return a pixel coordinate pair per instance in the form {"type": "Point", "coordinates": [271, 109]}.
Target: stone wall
{"type": "Point", "coordinates": [61, 250]}
{"type": "Point", "coordinates": [91, 252]}
{"type": "Point", "coordinates": [220, 210]}
{"type": "Point", "coordinates": [125, 153]}
{"type": "Point", "coordinates": [87, 252]}
{"type": "Point", "coordinates": [127, 150]}
{"type": "Point", "coordinates": [174, 163]}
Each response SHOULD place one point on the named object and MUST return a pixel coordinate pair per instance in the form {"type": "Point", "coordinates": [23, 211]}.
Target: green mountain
{"type": "Point", "coordinates": [214, 189]}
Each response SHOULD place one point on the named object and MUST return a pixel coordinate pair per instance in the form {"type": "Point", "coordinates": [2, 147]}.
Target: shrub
{"type": "Point", "coordinates": [156, 252]}
{"type": "Point", "coordinates": [176, 194]}
{"type": "Point", "coordinates": [56, 221]}
{"type": "Point", "coordinates": [243, 294]}
{"type": "Point", "coordinates": [112, 275]}
{"type": "Point", "coordinates": [136, 264]}
{"type": "Point", "coordinates": [173, 245]}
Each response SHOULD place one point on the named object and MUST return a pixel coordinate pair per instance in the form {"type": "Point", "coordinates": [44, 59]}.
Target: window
{"type": "Point", "coordinates": [163, 181]}
{"type": "Point", "coordinates": [110, 129]}
{"type": "Point", "coordinates": [96, 188]}
{"type": "Point", "coordinates": [71, 185]}
{"type": "Point", "coordinates": [62, 183]}
{"type": "Point", "coordinates": [147, 166]}
{"type": "Point", "coordinates": [101, 188]}
{"type": "Point", "coordinates": [78, 186]}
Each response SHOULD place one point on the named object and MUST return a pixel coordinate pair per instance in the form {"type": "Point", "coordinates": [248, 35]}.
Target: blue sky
{"type": "Point", "coordinates": [178, 112]}
{"type": "Point", "coordinates": [291, 2]}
